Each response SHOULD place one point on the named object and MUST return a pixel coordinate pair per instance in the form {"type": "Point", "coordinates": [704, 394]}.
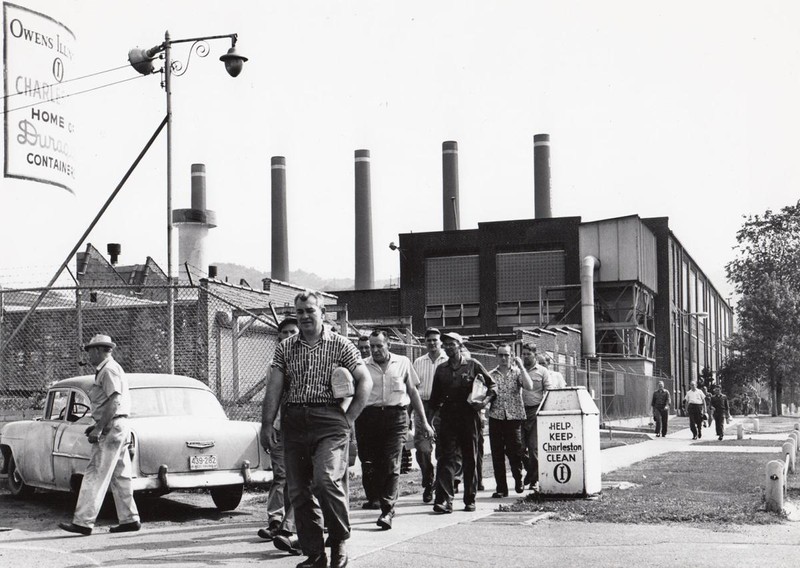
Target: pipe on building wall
{"type": "Point", "coordinates": [364, 268]}
{"type": "Point", "coordinates": [450, 205]}
{"type": "Point", "coordinates": [588, 265]}
{"type": "Point", "coordinates": [541, 176]}
{"type": "Point", "coordinates": [280, 241]}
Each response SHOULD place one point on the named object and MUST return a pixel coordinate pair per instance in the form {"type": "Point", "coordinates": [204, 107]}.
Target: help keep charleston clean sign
{"type": "Point", "coordinates": [39, 128]}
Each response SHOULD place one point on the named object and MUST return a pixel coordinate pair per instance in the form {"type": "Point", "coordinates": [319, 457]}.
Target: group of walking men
{"type": "Point", "coordinates": [308, 430]}
{"type": "Point", "coordinates": [701, 408]}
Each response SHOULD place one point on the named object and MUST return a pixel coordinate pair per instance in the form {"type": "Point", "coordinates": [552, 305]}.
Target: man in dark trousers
{"type": "Point", "coordinates": [460, 422]}
{"type": "Point", "coordinates": [315, 428]}
{"type": "Point", "coordinates": [381, 428]}
{"type": "Point", "coordinates": [721, 410]}
{"type": "Point", "coordinates": [660, 405]}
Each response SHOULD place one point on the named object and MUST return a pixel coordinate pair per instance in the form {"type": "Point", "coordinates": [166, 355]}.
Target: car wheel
{"type": "Point", "coordinates": [15, 483]}
{"type": "Point", "coordinates": [227, 497]}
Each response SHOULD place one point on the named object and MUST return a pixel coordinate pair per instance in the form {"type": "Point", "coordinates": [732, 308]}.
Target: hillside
{"type": "Point", "coordinates": [235, 272]}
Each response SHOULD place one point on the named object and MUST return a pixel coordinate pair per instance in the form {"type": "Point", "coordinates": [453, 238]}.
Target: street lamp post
{"type": "Point", "coordinates": [142, 61]}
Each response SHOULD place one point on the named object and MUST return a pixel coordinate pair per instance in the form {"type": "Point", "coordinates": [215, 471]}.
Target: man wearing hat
{"type": "Point", "coordinates": [460, 422]}
{"type": "Point", "coordinates": [425, 366]}
{"type": "Point", "coordinates": [110, 463]}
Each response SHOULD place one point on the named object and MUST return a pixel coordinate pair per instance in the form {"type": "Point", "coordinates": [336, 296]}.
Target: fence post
{"type": "Point", "coordinates": [756, 425]}
{"type": "Point", "coordinates": [774, 486]}
{"type": "Point", "coordinates": [788, 449]}
{"type": "Point", "coordinates": [235, 356]}
{"type": "Point", "coordinates": [739, 431]}
{"type": "Point", "coordinates": [79, 322]}
{"type": "Point", "coordinates": [2, 323]}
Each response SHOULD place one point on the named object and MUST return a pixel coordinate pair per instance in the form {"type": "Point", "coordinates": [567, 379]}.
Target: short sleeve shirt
{"type": "Point", "coordinates": [389, 387]}
{"type": "Point", "coordinates": [307, 369]}
{"type": "Point", "coordinates": [425, 369]}
{"type": "Point", "coordinates": [508, 404]}
{"type": "Point", "coordinates": [109, 379]}
{"type": "Point", "coordinates": [541, 382]}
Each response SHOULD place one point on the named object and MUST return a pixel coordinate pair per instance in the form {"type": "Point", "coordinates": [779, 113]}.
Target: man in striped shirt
{"type": "Point", "coordinates": [315, 428]}
{"type": "Point", "coordinates": [425, 367]}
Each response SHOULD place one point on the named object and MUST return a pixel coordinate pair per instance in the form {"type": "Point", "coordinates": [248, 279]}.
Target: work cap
{"type": "Point", "coordinates": [453, 335]}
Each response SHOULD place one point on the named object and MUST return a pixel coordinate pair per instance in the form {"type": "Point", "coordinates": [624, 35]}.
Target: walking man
{"type": "Point", "coordinates": [109, 463]}
{"type": "Point", "coordinates": [425, 366]}
{"type": "Point", "coordinates": [695, 406]}
{"type": "Point", "coordinates": [381, 428]}
{"type": "Point", "coordinates": [660, 405]}
{"type": "Point", "coordinates": [506, 416]}
{"type": "Point", "coordinates": [315, 428]}
{"type": "Point", "coordinates": [460, 425]}
{"type": "Point", "coordinates": [280, 514]}
{"type": "Point", "coordinates": [721, 410]}
{"type": "Point", "coordinates": [531, 399]}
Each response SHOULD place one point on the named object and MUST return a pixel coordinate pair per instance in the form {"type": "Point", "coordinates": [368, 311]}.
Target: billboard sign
{"type": "Point", "coordinates": [39, 128]}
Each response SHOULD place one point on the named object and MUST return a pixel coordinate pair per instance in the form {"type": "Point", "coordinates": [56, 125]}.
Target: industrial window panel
{"type": "Point", "coordinates": [452, 280]}
{"type": "Point", "coordinates": [520, 274]}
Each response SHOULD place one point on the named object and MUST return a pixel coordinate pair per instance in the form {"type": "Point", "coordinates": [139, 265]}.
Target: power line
{"type": "Point", "coordinates": [6, 97]}
{"type": "Point", "coordinates": [75, 93]}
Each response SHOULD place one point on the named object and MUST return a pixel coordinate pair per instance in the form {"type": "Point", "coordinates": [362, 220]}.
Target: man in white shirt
{"type": "Point", "coordinates": [425, 366]}
{"type": "Point", "coordinates": [695, 406]}
{"type": "Point", "coordinates": [381, 427]}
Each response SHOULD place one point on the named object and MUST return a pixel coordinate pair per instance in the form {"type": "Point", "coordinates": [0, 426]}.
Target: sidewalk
{"type": "Point", "coordinates": [484, 537]}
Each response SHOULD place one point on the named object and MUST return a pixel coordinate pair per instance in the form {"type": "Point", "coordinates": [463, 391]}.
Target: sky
{"type": "Point", "coordinates": [683, 109]}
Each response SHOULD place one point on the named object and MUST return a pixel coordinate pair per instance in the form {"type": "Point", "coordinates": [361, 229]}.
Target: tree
{"type": "Point", "coordinates": [766, 274]}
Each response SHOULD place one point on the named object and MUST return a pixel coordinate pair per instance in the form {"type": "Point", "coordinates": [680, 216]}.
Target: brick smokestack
{"type": "Point", "coordinates": [450, 204]}
{"type": "Point", "coordinates": [541, 176]}
{"type": "Point", "coordinates": [193, 225]}
{"type": "Point", "coordinates": [365, 276]}
{"type": "Point", "coordinates": [280, 242]}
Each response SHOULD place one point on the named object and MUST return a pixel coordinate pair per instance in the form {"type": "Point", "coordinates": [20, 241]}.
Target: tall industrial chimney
{"type": "Point", "coordinates": [541, 176]}
{"type": "Point", "coordinates": [193, 225]}
{"type": "Point", "coordinates": [365, 277]}
{"type": "Point", "coordinates": [280, 242]}
{"type": "Point", "coordinates": [450, 204]}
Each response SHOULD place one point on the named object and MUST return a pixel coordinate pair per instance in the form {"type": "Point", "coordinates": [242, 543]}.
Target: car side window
{"type": "Point", "coordinates": [79, 407]}
{"type": "Point", "coordinates": [57, 405]}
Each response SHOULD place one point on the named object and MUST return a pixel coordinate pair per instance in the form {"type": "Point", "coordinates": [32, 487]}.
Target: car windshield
{"type": "Point", "coordinates": [175, 401]}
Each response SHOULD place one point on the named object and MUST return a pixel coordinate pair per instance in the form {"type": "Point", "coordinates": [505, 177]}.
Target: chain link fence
{"type": "Point", "coordinates": [224, 336]}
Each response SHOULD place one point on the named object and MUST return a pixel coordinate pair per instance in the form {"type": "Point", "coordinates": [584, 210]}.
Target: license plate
{"type": "Point", "coordinates": [205, 461]}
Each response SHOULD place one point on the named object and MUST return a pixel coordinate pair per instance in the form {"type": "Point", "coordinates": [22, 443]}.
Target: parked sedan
{"type": "Point", "coordinates": [180, 439]}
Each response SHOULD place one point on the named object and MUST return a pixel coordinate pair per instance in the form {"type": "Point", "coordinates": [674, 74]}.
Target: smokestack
{"type": "Point", "coordinates": [365, 277]}
{"type": "Point", "coordinates": [541, 176]}
{"type": "Point", "coordinates": [450, 203]}
{"type": "Point", "coordinates": [193, 225]}
{"type": "Point", "coordinates": [212, 271]}
{"type": "Point", "coordinates": [280, 242]}
{"type": "Point", "coordinates": [114, 250]}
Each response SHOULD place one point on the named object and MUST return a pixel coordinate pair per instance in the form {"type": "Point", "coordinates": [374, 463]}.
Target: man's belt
{"type": "Point", "coordinates": [310, 404]}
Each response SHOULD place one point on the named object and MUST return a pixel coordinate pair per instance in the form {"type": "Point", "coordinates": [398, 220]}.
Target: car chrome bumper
{"type": "Point", "coordinates": [190, 480]}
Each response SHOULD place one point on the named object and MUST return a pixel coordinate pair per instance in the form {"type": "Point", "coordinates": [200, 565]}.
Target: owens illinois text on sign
{"type": "Point", "coordinates": [39, 131]}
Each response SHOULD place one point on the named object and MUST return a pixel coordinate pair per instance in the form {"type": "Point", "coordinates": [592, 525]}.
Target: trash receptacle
{"type": "Point", "coordinates": [568, 438]}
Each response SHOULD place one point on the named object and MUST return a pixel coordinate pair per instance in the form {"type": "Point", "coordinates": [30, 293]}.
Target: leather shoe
{"type": "Point", "coordinates": [469, 507]}
{"type": "Point", "coordinates": [499, 495]}
{"type": "Point", "coordinates": [339, 555]}
{"type": "Point", "coordinates": [73, 528]}
{"type": "Point", "coordinates": [442, 508]}
{"type": "Point", "coordinates": [371, 505]}
{"type": "Point", "coordinates": [271, 531]}
{"type": "Point", "coordinates": [290, 544]}
{"type": "Point", "coordinates": [518, 486]}
{"type": "Point", "coordinates": [427, 495]}
{"type": "Point", "coordinates": [126, 527]}
{"type": "Point", "coordinates": [385, 520]}
{"type": "Point", "coordinates": [317, 561]}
